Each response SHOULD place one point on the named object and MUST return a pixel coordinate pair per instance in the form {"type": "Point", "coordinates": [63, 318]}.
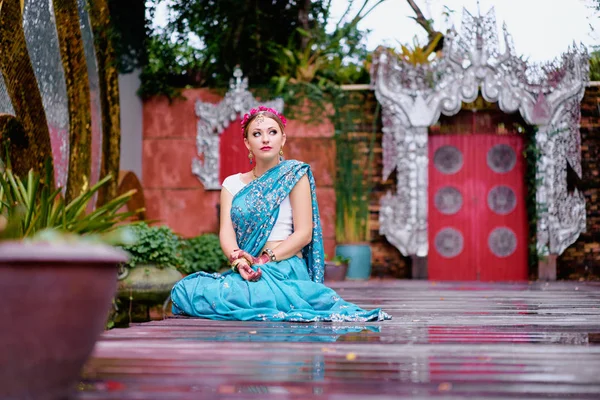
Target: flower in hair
{"type": "Point", "coordinates": [262, 109]}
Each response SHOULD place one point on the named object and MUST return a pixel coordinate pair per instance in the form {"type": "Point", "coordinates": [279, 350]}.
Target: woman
{"type": "Point", "coordinates": [271, 231]}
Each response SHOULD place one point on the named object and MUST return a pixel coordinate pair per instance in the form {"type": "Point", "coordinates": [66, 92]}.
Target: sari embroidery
{"type": "Point", "coordinates": [255, 209]}
{"type": "Point", "coordinates": [290, 289]}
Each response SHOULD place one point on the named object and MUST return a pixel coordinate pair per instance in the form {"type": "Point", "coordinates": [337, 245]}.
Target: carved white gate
{"type": "Point", "coordinates": [214, 118]}
{"type": "Point", "coordinates": [547, 96]}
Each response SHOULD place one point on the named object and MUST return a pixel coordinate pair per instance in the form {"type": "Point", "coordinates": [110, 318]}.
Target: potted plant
{"type": "Point", "coordinates": [336, 268]}
{"type": "Point", "coordinates": [58, 273]}
{"type": "Point", "coordinates": [353, 186]}
{"type": "Point", "coordinates": [152, 270]}
{"type": "Point", "coordinates": [203, 253]}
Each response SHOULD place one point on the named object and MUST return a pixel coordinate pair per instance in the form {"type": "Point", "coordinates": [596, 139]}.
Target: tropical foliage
{"type": "Point", "coordinates": [170, 67]}
{"type": "Point", "coordinates": [31, 206]}
{"type": "Point", "coordinates": [418, 54]}
{"type": "Point", "coordinates": [595, 65]}
{"type": "Point", "coordinates": [354, 168]}
{"type": "Point", "coordinates": [293, 42]}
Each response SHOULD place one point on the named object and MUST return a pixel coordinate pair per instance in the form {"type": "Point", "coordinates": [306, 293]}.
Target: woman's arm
{"type": "Point", "coordinates": [301, 202]}
{"type": "Point", "coordinates": [228, 241]}
{"type": "Point", "coordinates": [226, 232]}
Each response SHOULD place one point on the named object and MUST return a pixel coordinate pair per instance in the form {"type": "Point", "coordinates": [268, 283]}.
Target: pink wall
{"type": "Point", "coordinates": [174, 196]}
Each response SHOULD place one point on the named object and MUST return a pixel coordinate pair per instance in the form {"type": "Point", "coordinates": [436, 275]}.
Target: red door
{"type": "Point", "coordinates": [233, 155]}
{"type": "Point", "coordinates": [477, 214]}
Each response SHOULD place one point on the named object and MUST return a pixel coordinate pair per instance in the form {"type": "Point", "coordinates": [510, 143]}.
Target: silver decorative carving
{"type": "Point", "coordinates": [449, 242]}
{"type": "Point", "coordinates": [448, 160]}
{"type": "Point", "coordinates": [502, 242]}
{"type": "Point", "coordinates": [94, 82]}
{"type": "Point", "coordinates": [414, 97]}
{"type": "Point", "coordinates": [501, 158]}
{"type": "Point", "coordinates": [214, 118]}
{"type": "Point", "coordinates": [561, 215]}
{"type": "Point", "coordinates": [5, 103]}
{"type": "Point", "coordinates": [448, 200]}
{"type": "Point", "coordinates": [405, 212]}
{"type": "Point", "coordinates": [502, 200]}
{"type": "Point", "coordinates": [41, 37]}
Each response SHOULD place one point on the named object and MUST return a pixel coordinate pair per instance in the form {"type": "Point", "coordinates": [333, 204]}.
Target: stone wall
{"type": "Point", "coordinates": [175, 197]}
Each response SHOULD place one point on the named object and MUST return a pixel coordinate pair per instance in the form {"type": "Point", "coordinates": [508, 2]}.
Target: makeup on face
{"type": "Point", "coordinates": [264, 135]}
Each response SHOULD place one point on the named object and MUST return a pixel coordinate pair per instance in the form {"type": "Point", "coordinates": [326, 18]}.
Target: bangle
{"type": "Point", "coordinates": [235, 263]}
{"type": "Point", "coordinates": [270, 254]}
{"type": "Point", "coordinates": [247, 258]}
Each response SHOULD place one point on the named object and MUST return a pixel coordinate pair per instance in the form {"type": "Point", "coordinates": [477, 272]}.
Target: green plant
{"type": "Point", "coordinates": [284, 43]}
{"type": "Point", "coordinates": [156, 245]}
{"type": "Point", "coordinates": [354, 169]}
{"type": "Point", "coordinates": [338, 260]}
{"type": "Point", "coordinates": [418, 54]}
{"type": "Point", "coordinates": [531, 154]}
{"type": "Point", "coordinates": [595, 65]}
{"type": "Point", "coordinates": [244, 33]}
{"type": "Point", "coordinates": [29, 208]}
{"type": "Point", "coordinates": [203, 253]}
{"type": "Point", "coordinates": [167, 63]}
{"type": "Point", "coordinates": [324, 58]}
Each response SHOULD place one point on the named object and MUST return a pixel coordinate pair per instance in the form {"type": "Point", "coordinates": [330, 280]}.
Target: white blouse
{"type": "Point", "coordinates": [283, 225]}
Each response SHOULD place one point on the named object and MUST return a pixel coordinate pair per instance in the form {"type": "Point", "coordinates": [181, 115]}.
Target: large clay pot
{"type": "Point", "coordinates": [148, 283]}
{"type": "Point", "coordinates": [359, 267]}
{"type": "Point", "coordinates": [54, 301]}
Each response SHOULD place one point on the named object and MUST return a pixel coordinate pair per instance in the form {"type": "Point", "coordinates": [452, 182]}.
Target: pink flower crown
{"type": "Point", "coordinates": [258, 110]}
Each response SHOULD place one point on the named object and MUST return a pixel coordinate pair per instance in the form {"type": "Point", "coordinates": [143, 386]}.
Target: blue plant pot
{"type": "Point", "coordinates": [359, 267]}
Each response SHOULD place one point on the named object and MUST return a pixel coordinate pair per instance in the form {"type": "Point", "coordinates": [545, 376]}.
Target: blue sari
{"type": "Point", "coordinates": [289, 290]}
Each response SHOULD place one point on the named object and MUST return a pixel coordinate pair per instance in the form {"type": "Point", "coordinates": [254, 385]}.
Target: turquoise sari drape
{"type": "Point", "coordinates": [289, 290]}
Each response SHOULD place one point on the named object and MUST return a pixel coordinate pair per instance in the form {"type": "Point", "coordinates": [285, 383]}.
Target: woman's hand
{"type": "Point", "coordinates": [237, 254]}
{"type": "Point", "coordinates": [248, 273]}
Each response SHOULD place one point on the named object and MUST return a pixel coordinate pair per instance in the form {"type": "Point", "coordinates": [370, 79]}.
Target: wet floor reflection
{"type": "Point", "coordinates": [282, 332]}
{"type": "Point", "coordinates": [269, 332]}
{"type": "Point", "coordinates": [446, 340]}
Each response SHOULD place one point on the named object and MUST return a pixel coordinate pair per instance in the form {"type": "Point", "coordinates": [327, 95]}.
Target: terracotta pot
{"type": "Point", "coordinates": [335, 272]}
{"type": "Point", "coordinates": [54, 301]}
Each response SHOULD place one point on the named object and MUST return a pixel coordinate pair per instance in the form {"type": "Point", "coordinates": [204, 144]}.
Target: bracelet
{"type": "Point", "coordinates": [235, 263]}
{"type": "Point", "coordinates": [264, 258]}
{"type": "Point", "coordinates": [270, 254]}
{"type": "Point", "coordinates": [249, 260]}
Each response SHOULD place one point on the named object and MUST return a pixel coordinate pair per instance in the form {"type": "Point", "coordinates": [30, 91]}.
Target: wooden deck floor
{"type": "Point", "coordinates": [446, 340]}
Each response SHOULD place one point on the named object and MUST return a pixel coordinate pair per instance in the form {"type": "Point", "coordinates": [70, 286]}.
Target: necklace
{"type": "Point", "coordinates": [254, 173]}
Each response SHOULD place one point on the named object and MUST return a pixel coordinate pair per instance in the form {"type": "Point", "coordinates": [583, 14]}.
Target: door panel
{"type": "Point", "coordinates": [477, 213]}
{"type": "Point", "coordinates": [233, 155]}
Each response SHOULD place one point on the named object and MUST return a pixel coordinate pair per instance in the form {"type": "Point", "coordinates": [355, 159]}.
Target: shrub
{"type": "Point", "coordinates": [156, 245]}
{"type": "Point", "coordinates": [203, 253]}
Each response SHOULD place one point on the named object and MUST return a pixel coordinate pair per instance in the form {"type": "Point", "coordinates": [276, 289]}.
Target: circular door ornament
{"type": "Point", "coordinates": [448, 200]}
{"type": "Point", "coordinates": [502, 200]}
{"type": "Point", "coordinates": [501, 158]}
{"type": "Point", "coordinates": [502, 242]}
{"type": "Point", "coordinates": [449, 242]}
{"type": "Point", "coordinates": [448, 160]}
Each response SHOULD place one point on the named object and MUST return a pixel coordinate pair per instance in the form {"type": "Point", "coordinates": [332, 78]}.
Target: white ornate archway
{"type": "Point", "coordinates": [214, 118]}
{"type": "Point", "coordinates": [547, 96]}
